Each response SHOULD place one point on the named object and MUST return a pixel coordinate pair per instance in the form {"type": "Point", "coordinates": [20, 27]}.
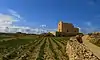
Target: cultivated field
{"type": "Point", "coordinates": [33, 48]}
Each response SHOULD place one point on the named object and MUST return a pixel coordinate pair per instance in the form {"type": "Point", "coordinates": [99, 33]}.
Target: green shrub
{"type": "Point", "coordinates": [89, 34]}
{"type": "Point", "coordinates": [95, 41]}
{"type": "Point", "coordinates": [46, 35]}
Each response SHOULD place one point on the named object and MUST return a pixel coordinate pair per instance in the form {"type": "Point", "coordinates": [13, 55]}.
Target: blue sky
{"type": "Point", "coordinates": [84, 14]}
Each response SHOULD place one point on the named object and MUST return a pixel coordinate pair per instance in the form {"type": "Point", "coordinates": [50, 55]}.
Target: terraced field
{"type": "Point", "coordinates": [44, 48]}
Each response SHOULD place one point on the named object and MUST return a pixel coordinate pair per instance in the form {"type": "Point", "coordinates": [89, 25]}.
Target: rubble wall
{"type": "Point", "coordinates": [78, 51]}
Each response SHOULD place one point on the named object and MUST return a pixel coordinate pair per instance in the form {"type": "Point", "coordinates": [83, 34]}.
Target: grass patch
{"type": "Point", "coordinates": [41, 52]}
{"type": "Point", "coordinates": [95, 42]}
{"type": "Point", "coordinates": [4, 37]}
{"type": "Point", "coordinates": [63, 40]}
{"type": "Point", "coordinates": [13, 44]}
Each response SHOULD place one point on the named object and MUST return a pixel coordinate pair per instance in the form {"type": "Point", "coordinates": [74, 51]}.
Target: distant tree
{"type": "Point", "coordinates": [89, 34]}
{"type": "Point", "coordinates": [18, 32]}
{"type": "Point", "coordinates": [47, 35]}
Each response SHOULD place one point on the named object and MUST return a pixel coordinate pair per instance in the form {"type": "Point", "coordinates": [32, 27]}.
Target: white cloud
{"type": "Point", "coordinates": [6, 24]}
{"type": "Point", "coordinates": [88, 24]}
{"type": "Point", "coordinates": [89, 27]}
{"type": "Point", "coordinates": [79, 29]}
{"type": "Point", "coordinates": [89, 30]}
{"type": "Point", "coordinates": [91, 2]}
{"type": "Point", "coordinates": [43, 26]}
{"type": "Point", "coordinates": [97, 16]}
{"type": "Point", "coordinates": [6, 20]}
{"type": "Point", "coordinates": [14, 13]}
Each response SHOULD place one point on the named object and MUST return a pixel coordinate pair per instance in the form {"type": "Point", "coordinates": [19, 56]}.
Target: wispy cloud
{"type": "Point", "coordinates": [92, 2]}
{"type": "Point", "coordinates": [88, 24]}
{"type": "Point", "coordinates": [6, 20]}
{"type": "Point", "coordinates": [97, 16]}
{"type": "Point", "coordinates": [43, 26]}
{"type": "Point", "coordinates": [6, 24]}
{"type": "Point", "coordinates": [14, 13]}
{"type": "Point", "coordinates": [89, 27]}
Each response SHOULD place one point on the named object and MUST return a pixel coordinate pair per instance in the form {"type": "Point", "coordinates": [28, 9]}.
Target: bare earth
{"type": "Point", "coordinates": [95, 49]}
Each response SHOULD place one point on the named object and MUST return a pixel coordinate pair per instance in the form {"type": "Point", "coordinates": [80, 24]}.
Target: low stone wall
{"type": "Point", "coordinates": [77, 51]}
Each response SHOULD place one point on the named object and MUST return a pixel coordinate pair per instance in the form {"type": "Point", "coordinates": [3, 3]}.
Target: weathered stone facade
{"type": "Point", "coordinates": [77, 51]}
{"type": "Point", "coordinates": [67, 28]}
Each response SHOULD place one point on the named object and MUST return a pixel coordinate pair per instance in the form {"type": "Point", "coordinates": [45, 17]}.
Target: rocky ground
{"type": "Point", "coordinates": [78, 51]}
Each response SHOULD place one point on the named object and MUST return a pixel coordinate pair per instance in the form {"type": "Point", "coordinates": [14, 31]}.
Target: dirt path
{"type": "Point", "coordinates": [95, 49]}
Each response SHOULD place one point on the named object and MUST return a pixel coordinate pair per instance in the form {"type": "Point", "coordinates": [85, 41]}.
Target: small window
{"type": "Point", "coordinates": [67, 31]}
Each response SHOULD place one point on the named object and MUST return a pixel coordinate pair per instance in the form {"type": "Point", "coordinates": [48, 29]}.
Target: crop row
{"type": "Point", "coordinates": [44, 48]}
{"type": "Point", "coordinates": [19, 51]}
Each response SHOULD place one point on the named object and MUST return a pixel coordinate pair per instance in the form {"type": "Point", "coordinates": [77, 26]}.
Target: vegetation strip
{"type": "Point", "coordinates": [60, 47]}
{"type": "Point", "coordinates": [21, 50]}
{"type": "Point", "coordinates": [31, 49]}
{"type": "Point", "coordinates": [51, 47]}
{"type": "Point", "coordinates": [49, 55]}
{"type": "Point", "coordinates": [8, 46]}
{"type": "Point", "coordinates": [35, 53]}
{"type": "Point", "coordinates": [40, 57]}
{"type": "Point", "coordinates": [62, 40]}
{"type": "Point", "coordinates": [42, 48]}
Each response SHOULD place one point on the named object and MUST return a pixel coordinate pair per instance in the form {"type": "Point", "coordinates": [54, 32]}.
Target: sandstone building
{"type": "Point", "coordinates": [67, 28]}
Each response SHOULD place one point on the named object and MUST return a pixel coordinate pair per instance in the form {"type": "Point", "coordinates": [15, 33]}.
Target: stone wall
{"type": "Point", "coordinates": [77, 51]}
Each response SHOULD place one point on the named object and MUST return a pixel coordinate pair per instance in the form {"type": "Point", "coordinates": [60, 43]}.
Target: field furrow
{"type": "Point", "coordinates": [48, 54]}
{"type": "Point", "coordinates": [25, 51]}
{"type": "Point", "coordinates": [41, 50]}
{"type": "Point", "coordinates": [61, 47]}
{"type": "Point", "coordinates": [32, 52]}
{"type": "Point", "coordinates": [34, 48]}
{"type": "Point", "coordinates": [52, 49]}
{"type": "Point", "coordinates": [57, 48]}
{"type": "Point", "coordinates": [21, 51]}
